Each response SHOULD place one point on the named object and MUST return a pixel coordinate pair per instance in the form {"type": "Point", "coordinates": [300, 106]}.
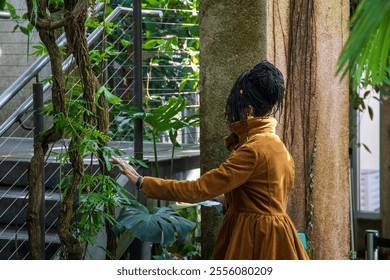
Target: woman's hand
{"type": "Point", "coordinates": [127, 169]}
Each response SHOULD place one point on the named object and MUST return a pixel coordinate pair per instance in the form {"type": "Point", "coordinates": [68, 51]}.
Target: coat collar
{"type": "Point", "coordinates": [252, 126]}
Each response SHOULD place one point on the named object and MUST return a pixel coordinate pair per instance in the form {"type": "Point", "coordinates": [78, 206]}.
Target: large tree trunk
{"type": "Point", "coordinates": [75, 30]}
{"type": "Point", "coordinates": [36, 188]}
{"type": "Point", "coordinates": [315, 119]}
{"type": "Point", "coordinates": [304, 39]}
{"type": "Point", "coordinates": [73, 247]}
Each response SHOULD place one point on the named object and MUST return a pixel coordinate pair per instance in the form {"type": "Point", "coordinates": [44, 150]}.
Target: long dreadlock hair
{"type": "Point", "coordinates": [262, 88]}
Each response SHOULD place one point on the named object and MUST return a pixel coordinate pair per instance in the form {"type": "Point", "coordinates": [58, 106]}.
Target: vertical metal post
{"type": "Point", "coordinates": [38, 124]}
{"type": "Point", "coordinates": [355, 174]}
{"type": "Point", "coordinates": [372, 244]}
{"type": "Point", "coordinates": [137, 18]}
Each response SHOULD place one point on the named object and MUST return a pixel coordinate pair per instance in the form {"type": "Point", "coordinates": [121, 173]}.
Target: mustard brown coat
{"type": "Point", "coordinates": [256, 180]}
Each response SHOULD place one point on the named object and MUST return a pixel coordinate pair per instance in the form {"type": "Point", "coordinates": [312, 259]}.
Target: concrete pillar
{"type": "Point", "coordinates": [232, 36]}
{"type": "Point", "coordinates": [232, 40]}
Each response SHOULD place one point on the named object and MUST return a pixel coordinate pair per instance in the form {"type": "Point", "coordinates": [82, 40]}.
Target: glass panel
{"type": "Point", "coordinates": [369, 192]}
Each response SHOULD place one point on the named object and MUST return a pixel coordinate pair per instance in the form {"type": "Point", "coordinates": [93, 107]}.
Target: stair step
{"type": "Point", "coordinates": [13, 206]}
{"type": "Point", "coordinates": [14, 243]}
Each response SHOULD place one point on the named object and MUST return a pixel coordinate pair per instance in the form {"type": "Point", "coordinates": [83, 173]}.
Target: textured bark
{"type": "Point", "coordinates": [75, 30]}
{"type": "Point", "coordinates": [75, 17]}
{"type": "Point", "coordinates": [306, 41]}
{"type": "Point", "coordinates": [36, 188]}
{"type": "Point", "coordinates": [73, 247]}
{"type": "Point", "coordinates": [34, 203]}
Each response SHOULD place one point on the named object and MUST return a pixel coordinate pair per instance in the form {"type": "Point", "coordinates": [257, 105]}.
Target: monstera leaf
{"type": "Point", "coordinates": [162, 225]}
{"type": "Point", "coordinates": [163, 117]}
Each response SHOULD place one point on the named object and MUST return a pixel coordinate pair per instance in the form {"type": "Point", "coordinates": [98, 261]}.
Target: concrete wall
{"type": "Point", "coordinates": [232, 36]}
{"type": "Point", "coordinates": [232, 40]}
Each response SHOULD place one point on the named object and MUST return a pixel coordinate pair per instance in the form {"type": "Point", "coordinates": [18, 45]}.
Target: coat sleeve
{"type": "Point", "coordinates": [231, 174]}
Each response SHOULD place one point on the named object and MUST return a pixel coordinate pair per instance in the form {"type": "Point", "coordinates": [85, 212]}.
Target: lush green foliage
{"type": "Point", "coordinates": [366, 52]}
{"type": "Point", "coordinates": [170, 55]}
{"type": "Point", "coordinates": [172, 68]}
{"type": "Point", "coordinates": [164, 118]}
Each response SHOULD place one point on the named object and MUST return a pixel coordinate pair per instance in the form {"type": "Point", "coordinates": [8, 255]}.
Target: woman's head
{"type": "Point", "coordinates": [257, 92]}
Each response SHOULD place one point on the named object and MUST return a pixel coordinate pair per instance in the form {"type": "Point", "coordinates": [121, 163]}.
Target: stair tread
{"type": "Point", "coordinates": [7, 233]}
{"type": "Point", "coordinates": [22, 193]}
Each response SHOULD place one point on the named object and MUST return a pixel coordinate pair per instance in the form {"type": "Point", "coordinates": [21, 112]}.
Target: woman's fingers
{"type": "Point", "coordinates": [126, 169]}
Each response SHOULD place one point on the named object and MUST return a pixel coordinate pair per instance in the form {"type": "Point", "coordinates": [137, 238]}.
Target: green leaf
{"type": "Point", "coordinates": [162, 118]}
{"type": "Point", "coordinates": [123, 243]}
{"type": "Point", "coordinates": [40, 49]}
{"type": "Point", "coordinates": [111, 98]}
{"type": "Point", "coordinates": [150, 44]}
{"type": "Point", "coordinates": [12, 10]}
{"type": "Point", "coordinates": [370, 112]}
{"type": "Point", "coordinates": [107, 153]}
{"type": "Point", "coordinates": [2, 5]}
{"type": "Point", "coordinates": [159, 226]}
{"type": "Point", "coordinates": [24, 30]}
{"type": "Point", "coordinates": [126, 43]}
{"type": "Point", "coordinates": [366, 52]}
{"type": "Point", "coordinates": [133, 161]}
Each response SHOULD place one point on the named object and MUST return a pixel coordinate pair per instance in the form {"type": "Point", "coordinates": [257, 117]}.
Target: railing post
{"type": "Point", "coordinates": [137, 18]}
{"type": "Point", "coordinates": [38, 124]}
{"type": "Point", "coordinates": [372, 244]}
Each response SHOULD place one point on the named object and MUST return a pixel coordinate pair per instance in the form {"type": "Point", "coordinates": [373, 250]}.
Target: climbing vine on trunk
{"type": "Point", "coordinates": [92, 122]}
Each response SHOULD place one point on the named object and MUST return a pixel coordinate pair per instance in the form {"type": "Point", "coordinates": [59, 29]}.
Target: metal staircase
{"type": "Point", "coordinates": [16, 152]}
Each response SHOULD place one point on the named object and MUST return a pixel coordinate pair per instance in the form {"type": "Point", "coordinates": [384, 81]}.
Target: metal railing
{"type": "Point", "coordinates": [34, 70]}
{"type": "Point", "coordinates": [5, 15]}
{"type": "Point", "coordinates": [373, 243]}
{"type": "Point", "coordinates": [18, 238]}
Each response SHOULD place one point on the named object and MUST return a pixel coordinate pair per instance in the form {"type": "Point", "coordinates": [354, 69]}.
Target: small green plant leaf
{"type": "Point", "coordinates": [111, 98]}
{"type": "Point", "coordinates": [366, 147]}
{"type": "Point", "coordinates": [370, 112]}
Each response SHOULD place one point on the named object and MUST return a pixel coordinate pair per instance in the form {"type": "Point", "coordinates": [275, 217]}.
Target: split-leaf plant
{"type": "Point", "coordinates": [164, 224]}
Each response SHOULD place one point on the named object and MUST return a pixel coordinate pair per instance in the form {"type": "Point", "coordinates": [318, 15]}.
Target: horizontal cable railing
{"type": "Point", "coordinates": [33, 71]}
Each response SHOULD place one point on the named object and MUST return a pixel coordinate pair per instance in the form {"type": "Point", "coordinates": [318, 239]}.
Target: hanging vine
{"type": "Point", "coordinates": [300, 112]}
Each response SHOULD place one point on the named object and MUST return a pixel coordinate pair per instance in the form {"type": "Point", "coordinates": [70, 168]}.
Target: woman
{"type": "Point", "coordinates": [256, 179]}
